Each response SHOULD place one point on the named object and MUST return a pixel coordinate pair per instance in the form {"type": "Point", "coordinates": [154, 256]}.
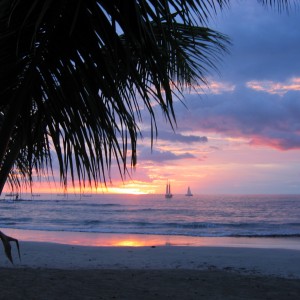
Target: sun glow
{"type": "Point", "coordinates": [129, 243]}
{"type": "Point", "coordinates": [125, 190]}
{"type": "Point", "coordinates": [132, 187]}
{"type": "Point", "coordinates": [126, 187]}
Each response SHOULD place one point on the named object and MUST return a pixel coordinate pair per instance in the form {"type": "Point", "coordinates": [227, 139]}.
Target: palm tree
{"type": "Point", "coordinates": [75, 75]}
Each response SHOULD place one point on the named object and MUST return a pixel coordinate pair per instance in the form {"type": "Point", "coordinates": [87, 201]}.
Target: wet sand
{"type": "Point", "coordinates": [56, 271]}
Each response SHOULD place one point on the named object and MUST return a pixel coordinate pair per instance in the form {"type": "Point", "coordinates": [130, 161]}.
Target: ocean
{"type": "Point", "coordinates": [197, 216]}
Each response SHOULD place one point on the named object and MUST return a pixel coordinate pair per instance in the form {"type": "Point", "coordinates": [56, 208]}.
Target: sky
{"type": "Point", "coordinates": [242, 135]}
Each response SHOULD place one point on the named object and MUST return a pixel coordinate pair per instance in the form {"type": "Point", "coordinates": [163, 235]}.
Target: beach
{"type": "Point", "coordinates": [144, 247]}
{"type": "Point", "coordinates": [65, 271]}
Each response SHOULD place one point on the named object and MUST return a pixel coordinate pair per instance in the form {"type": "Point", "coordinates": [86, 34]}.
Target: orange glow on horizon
{"type": "Point", "coordinates": [127, 187]}
{"type": "Point", "coordinates": [129, 243]}
{"type": "Point", "coordinates": [226, 165]}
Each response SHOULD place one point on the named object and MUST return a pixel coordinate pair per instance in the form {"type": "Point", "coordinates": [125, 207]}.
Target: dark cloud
{"type": "Point", "coordinates": [161, 156]}
{"type": "Point", "coordinates": [177, 137]}
{"type": "Point", "coordinates": [214, 148]}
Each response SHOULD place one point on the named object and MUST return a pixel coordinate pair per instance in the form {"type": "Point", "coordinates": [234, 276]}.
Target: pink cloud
{"type": "Point", "coordinates": [272, 87]}
{"type": "Point", "coordinates": [263, 119]}
{"type": "Point", "coordinates": [215, 87]}
{"type": "Point", "coordinates": [285, 142]}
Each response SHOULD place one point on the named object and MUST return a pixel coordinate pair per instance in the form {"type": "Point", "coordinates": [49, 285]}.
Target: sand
{"type": "Point", "coordinates": [142, 284]}
{"type": "Point", "coordinates": [56, 271]}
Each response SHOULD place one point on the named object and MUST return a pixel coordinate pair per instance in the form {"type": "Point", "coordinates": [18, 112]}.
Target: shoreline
{"type": "Point", "coordinates": [146, 240]}
{"type": "Point", "coordinates": [72, 250]}
{"type": "Point", "coordinates": [64, 271]}
{"type": "Point", "coordinates": [254, 261]}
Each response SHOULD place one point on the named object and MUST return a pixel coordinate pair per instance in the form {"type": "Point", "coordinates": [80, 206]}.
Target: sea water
{"type": "Point", "coordinates": [197, 216]}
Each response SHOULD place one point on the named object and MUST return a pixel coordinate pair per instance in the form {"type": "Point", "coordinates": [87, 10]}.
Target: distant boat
{"type": "Point", "coordinates": [11, 197]}
{"type": "Point", "coordinates": [168, 194]}
{"type": "Point", "coordinates": [189, 193]}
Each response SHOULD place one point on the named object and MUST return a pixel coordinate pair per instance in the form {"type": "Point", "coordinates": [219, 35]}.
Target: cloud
{"type": "Point", "coordinates": [257, 99]}
{"type": "Point", "coordinates": [177, 137]}
{"type": "Point", "coordinates": [161, 156]}
{"type": "Point", "coordinates": [279, 88]}
{"type": "Point", "coordinates": [261, 118]}
{"type": "Point", "coordinates": [220, 87]}
{"type": "Point", "coordinates": [214, 148]}
{"type": "Point", "coordinates": [278, 140]}
{"type": "Point", "coordinates": [214, 87]}
{"type": "Point", "coordinates": [265, 43]}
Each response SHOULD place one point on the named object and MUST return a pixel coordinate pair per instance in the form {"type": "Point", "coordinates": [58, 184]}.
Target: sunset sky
{"type": "Point", "coordinates": [243, 134]}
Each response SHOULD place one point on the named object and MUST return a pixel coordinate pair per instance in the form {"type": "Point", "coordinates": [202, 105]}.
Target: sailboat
{"type": "Point", "coordinates": [189, 193]}
{"type": "Point", "coordinates": [168, 194]}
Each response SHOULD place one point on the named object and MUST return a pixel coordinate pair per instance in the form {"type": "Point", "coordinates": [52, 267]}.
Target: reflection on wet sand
{"type": "Point", "coordinates": [143, 240]}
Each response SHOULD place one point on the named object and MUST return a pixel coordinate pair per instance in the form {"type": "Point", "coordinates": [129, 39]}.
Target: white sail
{"type": "Point", "coordinates": [189, 193]}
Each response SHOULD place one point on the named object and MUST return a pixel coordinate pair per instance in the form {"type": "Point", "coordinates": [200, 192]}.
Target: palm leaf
{"type": "Point", "coordinates": [7, 247]}
{"type": "Point", "coordinates": [81, 71]}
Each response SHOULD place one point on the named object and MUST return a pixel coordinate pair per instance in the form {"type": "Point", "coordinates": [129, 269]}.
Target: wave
{"type": "Point", "coordinates": [151, 232]}
{"type": "Point", "coordinates": [267, 235]}
{"type": "Point", "coordinates": [94, 204]}
{"type": "Point", "coordinates": [216, 218]}
{"type": "Point", "coordinates": [193, 225]}
{"type": "Point", "coordinates": [92, 226]}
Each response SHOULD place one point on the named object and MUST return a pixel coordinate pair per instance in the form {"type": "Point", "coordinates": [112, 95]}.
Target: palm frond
{"type": "Point", "coordinates": [7, 247]}
{"type": "Point", "coordinates": [82, 70]}
{"type": "Point", "coordinates": [280, 5]}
